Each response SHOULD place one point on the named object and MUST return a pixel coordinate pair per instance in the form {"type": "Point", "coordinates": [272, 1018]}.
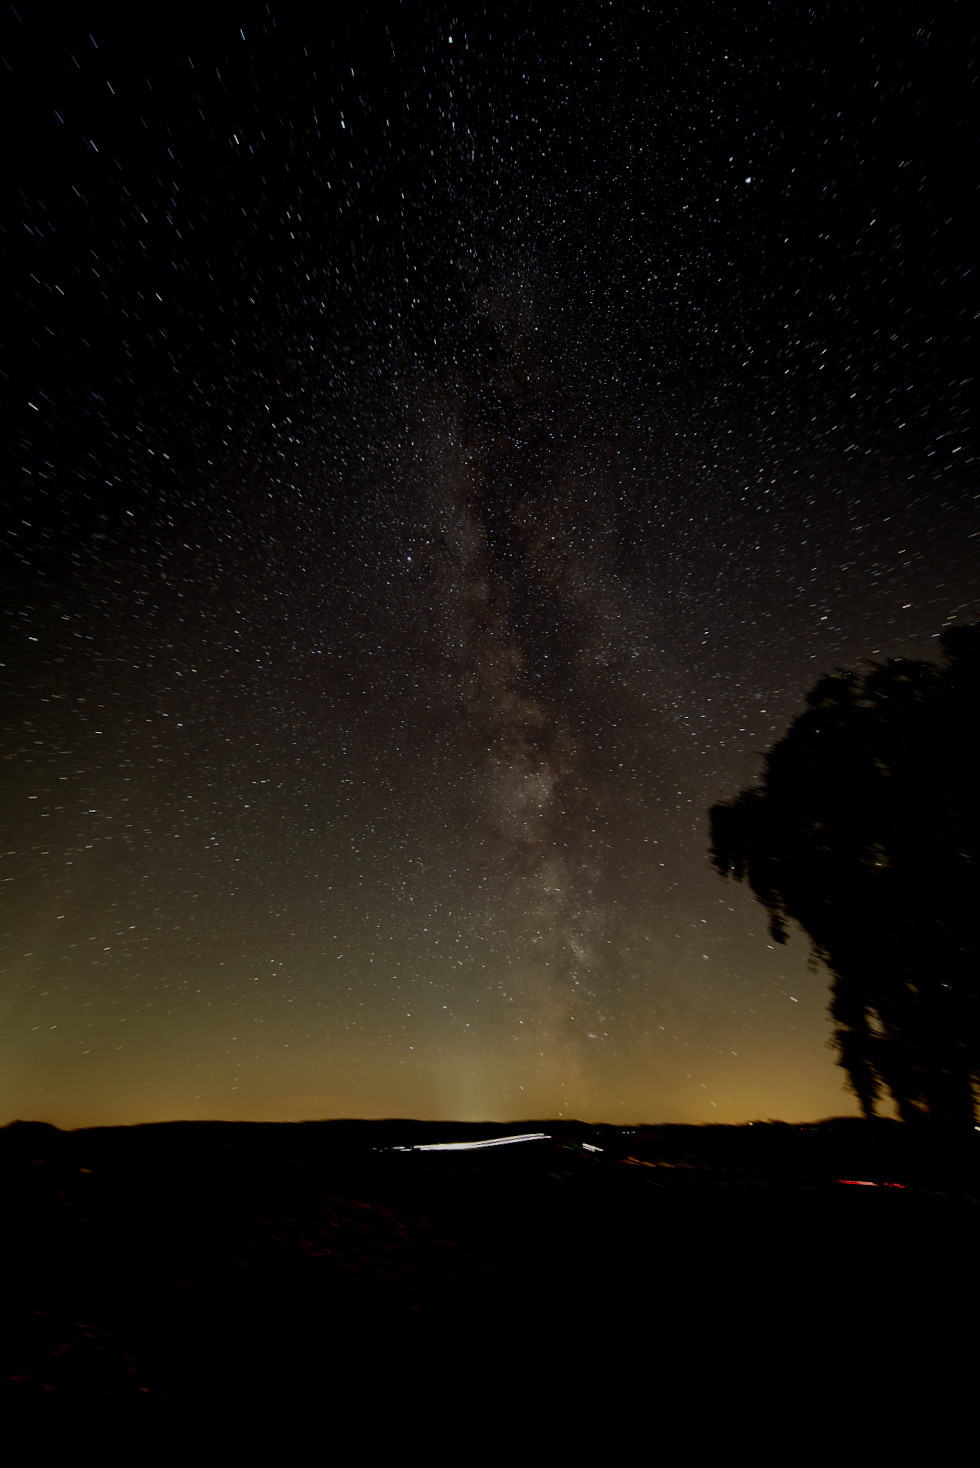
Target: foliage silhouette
{"type": "Point", "coordinates": [865, 829]}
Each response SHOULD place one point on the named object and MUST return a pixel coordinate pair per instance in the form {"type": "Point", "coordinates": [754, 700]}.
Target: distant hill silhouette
{"type": "Point", "coordinates": [238, 1268]}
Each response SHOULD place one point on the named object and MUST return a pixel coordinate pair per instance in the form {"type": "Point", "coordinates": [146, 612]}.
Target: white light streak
{"type": "Point", "coordinates": [487, 1142]}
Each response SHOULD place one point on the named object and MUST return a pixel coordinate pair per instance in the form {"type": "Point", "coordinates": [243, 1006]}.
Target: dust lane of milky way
{"type": "Point", "coordinates": [444, 448]}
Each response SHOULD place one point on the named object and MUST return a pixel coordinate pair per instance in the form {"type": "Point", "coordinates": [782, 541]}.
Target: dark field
{"type": "Point", "coordinates": [251, 1269]}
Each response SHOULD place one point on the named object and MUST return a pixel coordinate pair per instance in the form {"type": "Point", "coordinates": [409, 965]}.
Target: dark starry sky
{"type": "Point", "coordinates": [444, 446]}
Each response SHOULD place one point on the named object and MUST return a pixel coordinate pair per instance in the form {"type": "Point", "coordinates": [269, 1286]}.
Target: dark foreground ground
{"type": "Point", "coordinates": [253, 1271]}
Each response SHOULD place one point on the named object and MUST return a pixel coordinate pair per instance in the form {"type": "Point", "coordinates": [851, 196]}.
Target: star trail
{"type": "Point", "coordinates": [443, 448]}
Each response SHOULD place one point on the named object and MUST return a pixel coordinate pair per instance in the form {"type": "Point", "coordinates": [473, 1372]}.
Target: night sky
{"type": "Point", "coordinates": [443, 447]}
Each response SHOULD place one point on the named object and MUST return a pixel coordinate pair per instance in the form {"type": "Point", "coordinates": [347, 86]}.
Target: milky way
{"type": "Point", "coordinates": [444, 448]}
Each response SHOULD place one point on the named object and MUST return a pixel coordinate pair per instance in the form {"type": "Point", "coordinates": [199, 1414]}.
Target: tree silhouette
{"type": "Point", "coordinates": [865, 829]}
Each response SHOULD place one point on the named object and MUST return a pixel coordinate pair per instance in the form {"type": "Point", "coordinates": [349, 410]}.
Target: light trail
{"type": "Point", "coordinates": [488, 1142]}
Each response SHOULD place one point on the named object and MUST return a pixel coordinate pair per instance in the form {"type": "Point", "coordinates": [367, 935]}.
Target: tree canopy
{"type": "Point", "coordinates": [865, 829]}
